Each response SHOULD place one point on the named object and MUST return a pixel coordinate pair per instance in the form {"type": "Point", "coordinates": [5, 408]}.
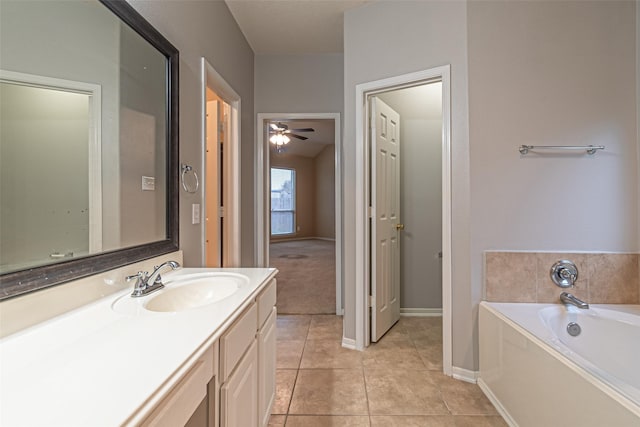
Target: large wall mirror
{"type": "Point", "coordinates": [88, 141]}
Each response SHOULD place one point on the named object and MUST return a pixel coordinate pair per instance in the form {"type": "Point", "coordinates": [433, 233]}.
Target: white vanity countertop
{"type": "Point", "coordinates": [95, 366]}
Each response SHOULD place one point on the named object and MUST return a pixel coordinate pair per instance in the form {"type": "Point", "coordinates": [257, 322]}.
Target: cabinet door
{"type": "Point", "coordinates": [267, 367]}
{"type": "Point", "coordinates": [186, 397]}
{"type": "Point", "coordinates": [239, 394]}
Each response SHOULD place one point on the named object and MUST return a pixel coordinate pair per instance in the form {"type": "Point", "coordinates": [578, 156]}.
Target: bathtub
{"type": "Point", "coordinates": [537, 374]}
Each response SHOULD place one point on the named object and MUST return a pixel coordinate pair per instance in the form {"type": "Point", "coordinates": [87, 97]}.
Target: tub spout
{"type": "Point", "coordinates": [568, 298]}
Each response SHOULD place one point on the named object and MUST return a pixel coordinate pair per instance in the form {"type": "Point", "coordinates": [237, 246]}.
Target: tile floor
{"type": "Point", "coordinates": [395, 382]}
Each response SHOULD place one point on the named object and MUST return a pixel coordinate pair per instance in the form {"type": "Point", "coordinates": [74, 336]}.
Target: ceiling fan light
{"type": "Point", "coordinates": [279, 139]}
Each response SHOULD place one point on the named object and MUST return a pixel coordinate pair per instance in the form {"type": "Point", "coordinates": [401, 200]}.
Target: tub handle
{"type": "Point", "coordinates": [564, 273]}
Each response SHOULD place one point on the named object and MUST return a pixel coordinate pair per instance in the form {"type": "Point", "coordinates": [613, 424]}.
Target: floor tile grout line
{"type": "Point", "coordinates": [412, 338]}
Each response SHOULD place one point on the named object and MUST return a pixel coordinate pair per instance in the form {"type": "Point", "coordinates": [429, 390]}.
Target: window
{"type": "Point", "coordinates": [283, 201]}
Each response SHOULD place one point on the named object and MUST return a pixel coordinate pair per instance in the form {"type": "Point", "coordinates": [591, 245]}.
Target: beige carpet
{"type": "Point", "coordinates": [307, 277]}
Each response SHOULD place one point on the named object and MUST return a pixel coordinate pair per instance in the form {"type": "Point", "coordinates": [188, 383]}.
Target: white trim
{"type": "Point", "coordinates": [261, 219]}
{"type": "Point", "coordinates": [362, 243]}
{"type": "Point", "coordinates": [464, 374]}
{"type": "Point", "coordinates": [94, 91]}
{"type": "Point", "coordinates": [297, 239]}
{"type": "Point", "coordinates": [421, 312]}
{"type": "Point", "coordinates": [212, 79]}
{"type": "Point", "coordinates": [496, 403]}
{"type": "Point", "coordinates": [348, 343]}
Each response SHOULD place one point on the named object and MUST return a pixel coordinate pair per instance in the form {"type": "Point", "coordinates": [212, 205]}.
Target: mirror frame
{"type": "Point", "coordinates": [18, 283]}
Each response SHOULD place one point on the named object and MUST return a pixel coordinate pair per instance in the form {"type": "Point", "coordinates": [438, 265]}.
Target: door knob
{"type": "Point", "coordinates": [399, 226]}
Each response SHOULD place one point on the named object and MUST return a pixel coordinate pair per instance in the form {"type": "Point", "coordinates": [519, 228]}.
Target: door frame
{"type": "Point", "coordinates": [363, 167]}
{"type": "Point", "coordinates": [212, 79]}
{"type": "Point", "coordinates": [262, 191]}
{"type": "Point", "coordinates": [94, 92]}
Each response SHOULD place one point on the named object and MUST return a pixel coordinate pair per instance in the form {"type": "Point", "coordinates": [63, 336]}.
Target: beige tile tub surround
{"type": "Point", "coordinates": [604, 278]}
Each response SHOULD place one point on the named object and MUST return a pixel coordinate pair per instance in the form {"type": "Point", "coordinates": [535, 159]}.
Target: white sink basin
{"type": "Point", "coordinates": [184, 292]}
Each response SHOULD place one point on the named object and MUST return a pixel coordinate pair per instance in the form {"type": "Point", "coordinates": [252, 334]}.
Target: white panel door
{"type": "Point", "coordinates": [385, 228]}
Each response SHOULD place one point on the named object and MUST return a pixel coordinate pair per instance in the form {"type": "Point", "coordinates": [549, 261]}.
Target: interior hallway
{"type": "Point", "coordinates": [395, 382]}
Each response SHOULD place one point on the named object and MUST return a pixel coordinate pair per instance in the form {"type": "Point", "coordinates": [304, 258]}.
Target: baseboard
{"type": "Point", "coordinates": [295, 239]}
{"type": "Point", "coordinates": [496, 403]}
{"type": "Point", "coordinates": [464, 374]}
{"type": "Point", "coordinates": [349, 343]}
{"type": "Point", "coordinates": [421, 312]}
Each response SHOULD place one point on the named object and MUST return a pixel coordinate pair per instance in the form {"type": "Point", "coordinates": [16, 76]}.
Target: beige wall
{"type": "Point", "coordinates": [315, 192]}
{"type": "Point", "coordinates": [197, 29]}
{"type": "Point", "coordinates": [325, 193]}
{"type": "Point", "coordinates": [305, 191]}
{"type": "Point", "coordinates": [538, 73]}
{"type": "Point", "coordinates": [433, 34]}
{"type": "Point", "coordinates": [299, 83]}
{"type": "Point", "coordinates": [552, 73]}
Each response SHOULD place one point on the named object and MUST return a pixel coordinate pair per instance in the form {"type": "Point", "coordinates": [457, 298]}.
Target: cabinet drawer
{"type": "Point", "coordinates": [236, 340]}
{"type": "Point", "coordinates": [186, 396]}
{"type": "Point", "coordinates": [266, 301]}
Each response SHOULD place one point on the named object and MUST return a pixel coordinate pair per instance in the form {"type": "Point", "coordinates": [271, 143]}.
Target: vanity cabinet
{"type": "Point", "coordinates": [183, 405]}
{"type": "Point", "coordinates": [239, 372]}
{"type": "Point", "coordinates": [233, 383]}
{"type": "Point", "coordinates": [248, 364]}
{"type": "Point", "coordinates": [267, 352]}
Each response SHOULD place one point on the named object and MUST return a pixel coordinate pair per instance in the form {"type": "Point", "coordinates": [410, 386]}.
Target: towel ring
{"type": "Point", "coordinates": [186, 168]}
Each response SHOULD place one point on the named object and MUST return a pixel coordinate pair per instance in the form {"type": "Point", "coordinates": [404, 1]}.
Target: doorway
{"type": "Point", "coordinates": [409, 234]}
{"type": "Point", "coordinates": [221, 170]}
{"type": "Point", "coordinates": [298, 225]}
{"type": "Point", "coordinates": [41, 114]}
{"type": "Point", "coordinates": [217, 162]}
{"type": "Point", "coordinates": [365, 202]}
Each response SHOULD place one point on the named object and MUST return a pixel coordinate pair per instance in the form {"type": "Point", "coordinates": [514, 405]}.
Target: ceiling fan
{"type": "Point", "coordinates": [283, 129]}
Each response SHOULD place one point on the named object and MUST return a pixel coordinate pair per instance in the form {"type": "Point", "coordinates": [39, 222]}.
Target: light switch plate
{"type": "Point", "coordinates": [148, 183]}
{"type": "Point", "coordinates": [195, 213]}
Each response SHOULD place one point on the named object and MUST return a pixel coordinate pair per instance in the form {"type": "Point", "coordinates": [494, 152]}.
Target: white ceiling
{"type": "Point", "coordinates": [324, 135]}
{"type": "Point", "coordinates": [292, 26]}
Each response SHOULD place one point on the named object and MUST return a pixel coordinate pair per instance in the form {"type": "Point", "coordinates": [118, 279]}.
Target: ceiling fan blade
{"type": "Point", "coordinates": [273, 126]}
{"type": "Point", "coordinates": [298, 136]}
{"type": "Point", "coordinates": [303, 130]}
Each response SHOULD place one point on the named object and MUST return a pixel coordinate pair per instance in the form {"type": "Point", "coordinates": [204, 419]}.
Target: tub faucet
{"type": "Point", "coordinates": [147, 283]}
{"type": "Point", "coordinates": [568, 298]}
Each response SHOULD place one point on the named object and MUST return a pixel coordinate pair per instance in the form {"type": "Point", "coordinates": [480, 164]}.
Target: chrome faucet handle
{"type": "Point", "coordinates": [140, 277]}
{"type": "Point", "coordinates": [564, 273]}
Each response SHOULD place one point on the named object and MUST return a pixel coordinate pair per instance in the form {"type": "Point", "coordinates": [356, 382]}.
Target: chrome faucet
{"type": "Point", "coordinates": [147, 283]}
{"type": "Point", "coordinates": [568, 298]}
